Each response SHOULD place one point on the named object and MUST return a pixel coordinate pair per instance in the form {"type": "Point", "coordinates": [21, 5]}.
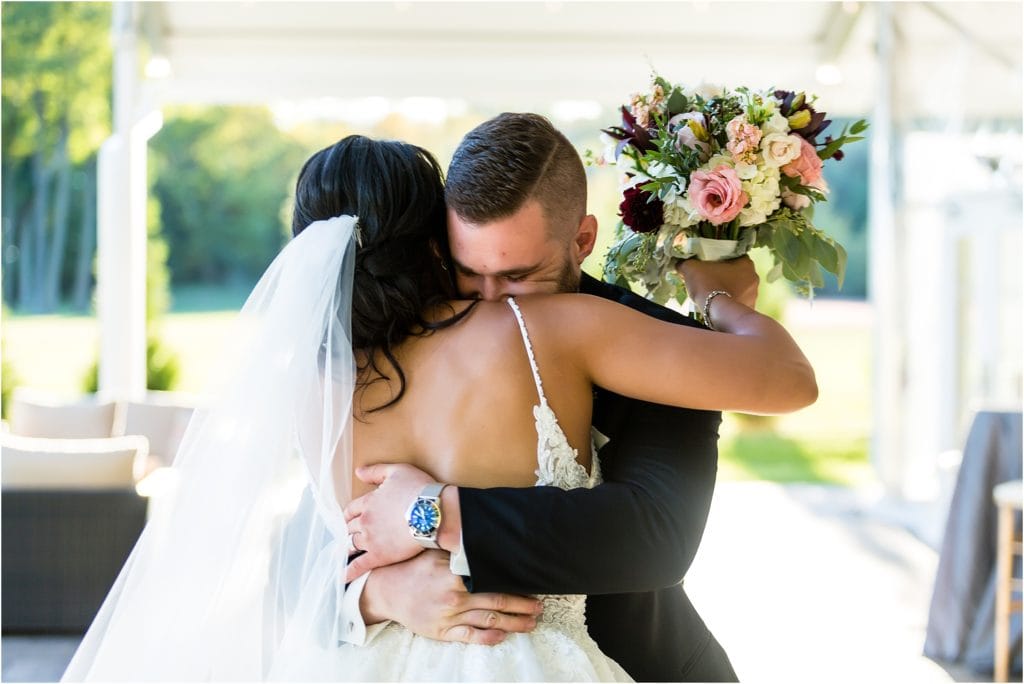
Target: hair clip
{"type": "Point", "coordinates": [358, 232]}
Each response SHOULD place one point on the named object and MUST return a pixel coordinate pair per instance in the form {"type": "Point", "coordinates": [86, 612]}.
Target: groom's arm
{"type": "Point", "coordinates": [636, 532]}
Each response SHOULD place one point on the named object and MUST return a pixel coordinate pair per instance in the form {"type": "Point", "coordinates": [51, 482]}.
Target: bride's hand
{"type": "Point", "coordinates": [736, 276]}
{"type": "Point", "coordinates": [376, 521]}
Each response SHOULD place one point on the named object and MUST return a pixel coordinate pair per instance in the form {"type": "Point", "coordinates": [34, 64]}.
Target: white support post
{"type": "Point", "coordinates": [885, 286]}
{"type": "Point", "coordinates": [122, 236]}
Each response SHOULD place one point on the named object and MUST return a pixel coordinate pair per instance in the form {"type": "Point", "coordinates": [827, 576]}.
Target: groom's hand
{"type": "Point", "coordinates": [424, 596]}
{"type": "Point", "coordinates": [377, 521]}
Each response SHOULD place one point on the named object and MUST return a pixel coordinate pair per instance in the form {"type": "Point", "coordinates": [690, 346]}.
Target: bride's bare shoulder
{"type": "Point", "coordinates": [565, 308]}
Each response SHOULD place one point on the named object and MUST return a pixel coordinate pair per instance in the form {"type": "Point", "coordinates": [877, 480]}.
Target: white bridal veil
{"type": "Point", "coordinates": [239, 572]}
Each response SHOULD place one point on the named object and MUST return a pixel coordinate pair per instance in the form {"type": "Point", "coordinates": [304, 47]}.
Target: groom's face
{"type": "Point", "coordinates": [516, 255]}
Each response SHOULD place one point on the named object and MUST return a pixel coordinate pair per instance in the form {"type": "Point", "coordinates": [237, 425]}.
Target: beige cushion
{"type": "Point", "coordinates": [40, 463]}
{"type": "Point", "coordinates": [162, 424]}
{"type": "Point", "coordinates": [38, 416]}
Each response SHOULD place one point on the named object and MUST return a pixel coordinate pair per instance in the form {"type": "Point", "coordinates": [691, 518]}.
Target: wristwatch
{"type": "Point", "coordinates": [424, 516]}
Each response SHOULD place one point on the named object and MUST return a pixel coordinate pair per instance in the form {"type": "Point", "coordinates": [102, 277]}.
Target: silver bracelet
{"type": "Point", "coordinates": [707, 306]}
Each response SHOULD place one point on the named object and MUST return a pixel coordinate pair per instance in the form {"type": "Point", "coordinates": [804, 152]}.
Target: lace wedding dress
{"type": "Point", "coordinates": [559, 649]}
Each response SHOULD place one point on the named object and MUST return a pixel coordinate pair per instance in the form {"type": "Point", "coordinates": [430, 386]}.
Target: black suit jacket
{"type": "Point", "coordinates": [626, 543]}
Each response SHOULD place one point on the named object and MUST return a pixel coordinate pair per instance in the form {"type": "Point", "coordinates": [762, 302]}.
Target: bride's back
{"type": "Point", "coordinates": [467, 413]}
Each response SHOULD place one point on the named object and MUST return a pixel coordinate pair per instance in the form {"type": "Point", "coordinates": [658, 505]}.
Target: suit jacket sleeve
{"type": "Point", "coordinates": [638, 531]}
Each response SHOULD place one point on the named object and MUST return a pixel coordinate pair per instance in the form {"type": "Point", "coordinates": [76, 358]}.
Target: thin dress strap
{"type": "Point", "coordinates": [529, 349]}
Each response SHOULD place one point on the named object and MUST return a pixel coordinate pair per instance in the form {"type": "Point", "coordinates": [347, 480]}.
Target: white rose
{"type": "Point", "coordinates": [778, 149]}
{"type": "Point", "coordinates": [776, 124]}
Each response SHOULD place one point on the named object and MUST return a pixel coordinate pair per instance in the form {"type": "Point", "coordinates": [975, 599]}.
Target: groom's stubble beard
{"type": "Point", "coordinates": [569, 278]}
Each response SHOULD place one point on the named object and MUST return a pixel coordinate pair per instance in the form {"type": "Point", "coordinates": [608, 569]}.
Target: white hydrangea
{"type": "Point", "coordinates": [680, 213]}
{"type": "Point", "coordinates": [746, 171]}
{"type": "Point", "coordinates": [718, 160]}
{"type": "Point", "coordinates": [763, 190]}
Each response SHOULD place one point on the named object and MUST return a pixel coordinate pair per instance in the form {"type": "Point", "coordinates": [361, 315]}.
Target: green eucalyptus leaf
{"type": "Point", "coordinates": [831, 148]}
{"type": "Point", "coordinates": [763, 235]}
{"type": "Point", "coordinates": [815, 275]}
{"type": "Point", "coordinates": [676, 102]}
{"type": "Point", "coordinates": [826, 254]}
{"type": "Point", "coordinates": [840, 271]}
{"type": "Point", "coordinates": [859, 127]}
{"type": "Point", "coordinates": [786, 245]}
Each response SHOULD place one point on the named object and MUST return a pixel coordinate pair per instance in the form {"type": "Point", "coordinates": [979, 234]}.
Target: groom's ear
{"type": "Point", "coordinates": [586, 236]}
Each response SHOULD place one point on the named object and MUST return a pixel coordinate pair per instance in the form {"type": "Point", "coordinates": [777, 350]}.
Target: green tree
{"type": "Point", "coordinates": [222, 175]}
{"type": "Point", "coordinates": [56, 111]}
{"type": "Point", "coordinates": [8, 378]}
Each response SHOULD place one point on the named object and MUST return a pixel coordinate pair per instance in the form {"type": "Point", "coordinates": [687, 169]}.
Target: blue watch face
{"type": "Point", "coordinates": [425, 517]}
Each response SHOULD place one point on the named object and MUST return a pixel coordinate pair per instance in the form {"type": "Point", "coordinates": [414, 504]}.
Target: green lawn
{"type": "Point", "coordinates": [827, 442]}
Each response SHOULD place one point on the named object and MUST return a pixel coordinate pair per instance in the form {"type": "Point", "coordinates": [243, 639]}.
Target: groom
{"type": "Point", "coordinates": [516, 193]}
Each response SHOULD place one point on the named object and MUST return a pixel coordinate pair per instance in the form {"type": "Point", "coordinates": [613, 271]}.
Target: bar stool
{"type": "Point", "coordinates": [1007, 496]}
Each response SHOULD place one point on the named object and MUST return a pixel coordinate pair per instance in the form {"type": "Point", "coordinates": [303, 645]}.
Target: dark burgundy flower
{"type": "Point", "coordinates": [791, 104]}
{"type": "Point", "coordinates": [641, 211]}
{"type": "Point", "coordinates": [630, 134]}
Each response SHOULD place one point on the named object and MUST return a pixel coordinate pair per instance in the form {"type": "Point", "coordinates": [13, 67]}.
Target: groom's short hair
{"type": "Point", "coordinates": [510, 159]}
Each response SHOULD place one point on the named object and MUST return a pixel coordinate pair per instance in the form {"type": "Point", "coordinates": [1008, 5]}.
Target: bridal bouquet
{"type": "Point", "coordinates": [711, 173]}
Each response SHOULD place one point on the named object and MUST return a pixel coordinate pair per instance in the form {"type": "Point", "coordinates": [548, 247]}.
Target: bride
{"type": "Point", "coordinates": [353, 349]}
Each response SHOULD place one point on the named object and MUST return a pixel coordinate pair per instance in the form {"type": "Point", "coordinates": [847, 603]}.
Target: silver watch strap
{"type": "Point", "coordinates": [433, 491]}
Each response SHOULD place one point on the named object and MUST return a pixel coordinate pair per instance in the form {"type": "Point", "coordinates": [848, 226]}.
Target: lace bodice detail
{"type": "Point", "coordinates": [557, 466]}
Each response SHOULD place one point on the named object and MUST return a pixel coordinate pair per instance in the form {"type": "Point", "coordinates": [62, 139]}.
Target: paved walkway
{"type": "Point", "coordinates": [800, 583]}
{"type": "Point", "coordinates": [812, 583]}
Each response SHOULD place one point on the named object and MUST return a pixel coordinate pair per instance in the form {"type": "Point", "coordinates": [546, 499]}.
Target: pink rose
{"type": "Point", "coordinates": [807, 166]}
{"type": "Point", "coordinates": [717, 195]}
{"type": "Point", "coordinates": [794, 200]}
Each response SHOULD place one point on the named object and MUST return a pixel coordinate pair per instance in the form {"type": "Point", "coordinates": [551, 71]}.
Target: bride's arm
{"type": "Point", "coordinates": [751, 365]}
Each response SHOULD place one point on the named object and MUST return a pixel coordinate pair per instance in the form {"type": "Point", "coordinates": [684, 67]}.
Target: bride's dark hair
{"type": "Point", "coordinates": [401, 264]}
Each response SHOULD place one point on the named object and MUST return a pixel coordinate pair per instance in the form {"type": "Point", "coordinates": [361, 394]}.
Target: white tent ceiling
{"type": "Point", "coordinates": [529, 54]}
